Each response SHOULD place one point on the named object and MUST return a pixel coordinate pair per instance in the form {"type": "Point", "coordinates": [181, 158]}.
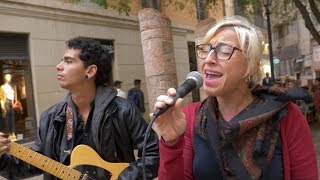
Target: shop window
{"type": "Point", "coordinates": [275, 35]}
{"type": "Point", "coordinates": [17, 115]}
{"type": "Point", "coordinates": [293, 26]}
{"type": "Point", "coordinates": [281, 32]}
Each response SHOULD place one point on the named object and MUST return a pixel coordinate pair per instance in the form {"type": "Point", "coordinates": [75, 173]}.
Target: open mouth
{"type": "Point", "coordinates": [211, 75]}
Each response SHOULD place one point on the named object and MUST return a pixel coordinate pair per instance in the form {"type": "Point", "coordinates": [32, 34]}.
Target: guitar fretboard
{"type": "Point", "coordinates": [42, 162]}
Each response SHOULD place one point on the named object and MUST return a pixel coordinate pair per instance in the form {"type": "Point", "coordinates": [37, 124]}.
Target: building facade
{"type": "Point", "coordinates": [292, 44]}
{"type": "Point", "coordinates": [32, 42]}
{"type": "Point", "coordinates": [235, 7]}
{"type": "Point", "coordinates": [295, 52]}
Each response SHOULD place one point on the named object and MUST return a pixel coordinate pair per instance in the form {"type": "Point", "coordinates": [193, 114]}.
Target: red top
{"type": "Point", "coordinates": [299, 156]}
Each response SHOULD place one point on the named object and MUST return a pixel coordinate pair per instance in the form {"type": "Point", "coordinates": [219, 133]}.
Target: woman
{"type": "Point", "coordinates": [240, 131]}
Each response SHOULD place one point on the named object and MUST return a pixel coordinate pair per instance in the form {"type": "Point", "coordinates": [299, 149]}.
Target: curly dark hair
{"type": "Point", "coordinates": [93, 52]}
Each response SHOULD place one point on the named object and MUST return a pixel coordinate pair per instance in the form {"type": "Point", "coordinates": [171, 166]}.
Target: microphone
{"type": "Point", "coordinates": [193, 81]}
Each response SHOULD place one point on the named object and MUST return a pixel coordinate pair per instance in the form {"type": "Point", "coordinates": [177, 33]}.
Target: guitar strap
{"type": "Point", "coordinates": [69, 121]}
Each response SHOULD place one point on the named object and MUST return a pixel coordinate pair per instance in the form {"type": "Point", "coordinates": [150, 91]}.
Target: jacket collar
{"type": "Point", "coordinates": [104, 95]}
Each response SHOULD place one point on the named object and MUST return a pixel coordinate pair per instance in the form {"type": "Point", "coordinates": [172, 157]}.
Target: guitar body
{"type": "Point", "coordinates": [91, 172]}
{"type": "Point", "coordinates": [86, 160]}
{"type": "Point", "coordinates": [85, 163]}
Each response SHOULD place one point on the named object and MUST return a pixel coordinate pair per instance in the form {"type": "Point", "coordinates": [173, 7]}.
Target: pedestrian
{"type": "Point", "coordinates": [238, 131]}
{"type": "Point", "coordinates": [278, 79]}
{"type": "Point", "coordinates": [91, 114]}
{"type": "Point", "coordinates": [317, 98]}
{"type": "Point", "coordinates": [310, 88]}
{"type": "Point", "coordinates": [136, 95]}
{"type": "Point", "coordinates": [117, 85]}
{"type": "Point", "coordinates": [267, 81]}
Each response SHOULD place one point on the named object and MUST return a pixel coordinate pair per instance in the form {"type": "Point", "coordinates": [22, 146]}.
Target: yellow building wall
{"type": "Point", "coordinates": [186, 16]}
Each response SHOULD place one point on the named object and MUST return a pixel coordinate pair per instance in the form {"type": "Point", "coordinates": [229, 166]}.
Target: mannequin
{"type": "Point", "coordinates": [9, 105]}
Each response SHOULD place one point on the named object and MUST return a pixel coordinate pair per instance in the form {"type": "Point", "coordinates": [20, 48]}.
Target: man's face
{"type": "Point", "coordinates": [267, 74]}
{"type": "Point", "coordinates": [71, 71]}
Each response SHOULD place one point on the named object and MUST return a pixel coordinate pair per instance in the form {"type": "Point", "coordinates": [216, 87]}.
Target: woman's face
{"type": "Point", "coordinates": [222, 77]}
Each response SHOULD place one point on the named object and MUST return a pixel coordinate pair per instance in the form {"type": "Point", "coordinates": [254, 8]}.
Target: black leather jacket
{"type": "Point", "coordinates": [117, 128]}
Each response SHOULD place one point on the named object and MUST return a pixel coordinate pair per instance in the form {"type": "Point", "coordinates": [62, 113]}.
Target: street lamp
{"type": "Point", "coordinates": [266, 4]}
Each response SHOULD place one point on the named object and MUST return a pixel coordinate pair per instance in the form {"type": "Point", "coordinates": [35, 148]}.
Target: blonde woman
{"type": "Point", "coordinates": [241, 130]}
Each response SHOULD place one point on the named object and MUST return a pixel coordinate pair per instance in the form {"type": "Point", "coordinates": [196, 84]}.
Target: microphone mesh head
{"type": "Point", "coordinates": [196, 76]}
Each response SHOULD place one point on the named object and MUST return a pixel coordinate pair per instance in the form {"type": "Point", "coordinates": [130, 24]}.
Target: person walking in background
{"type": "Point", "coordinates": [136, 96]}
{"type": "Point", "coordinates": [292, 87]}
{"type": "Point", "coordinates": [242, 130]}
{"type": "Point", "coordinates": [91, 114]}
{"type": "Point", "coordinates": [278, 79]}
{"type": "Point", "coordinates": [310, 88]}
{"type": "Point", "coordinates": [117, 85]}
{"type": "Point", "coordinates": [317, 98]}
{"type": "Point", "coordinates": [267, 81]}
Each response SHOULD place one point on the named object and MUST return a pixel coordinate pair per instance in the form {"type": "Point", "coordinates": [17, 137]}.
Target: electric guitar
{"type": "Point", "coordinates": [85, 163]}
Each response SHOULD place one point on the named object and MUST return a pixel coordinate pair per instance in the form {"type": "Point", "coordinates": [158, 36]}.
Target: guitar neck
{"type": "Point", "coordinates": [42, 162]}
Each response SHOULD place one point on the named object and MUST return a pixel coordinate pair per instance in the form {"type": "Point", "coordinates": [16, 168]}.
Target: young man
{"type": "Point", "coordinates": [91, 114]}
{"type": "Point", "coordinates": [267, 81]}
{"type": "Point", "coordinates": [136, 96]}
{"type": "Point", "coordinates": [117, 86]}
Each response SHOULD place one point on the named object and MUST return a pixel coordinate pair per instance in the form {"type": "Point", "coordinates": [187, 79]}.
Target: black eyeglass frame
{"type": "Point", "coordinates": [215, 51]}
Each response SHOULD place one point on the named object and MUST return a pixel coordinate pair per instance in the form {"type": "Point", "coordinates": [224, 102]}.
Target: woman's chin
{"type": "Point", "coordinates": [211, 91]}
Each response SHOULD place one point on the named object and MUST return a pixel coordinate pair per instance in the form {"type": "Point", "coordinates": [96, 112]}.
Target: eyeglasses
{"type": "Point", "coordinates": [221, 51]}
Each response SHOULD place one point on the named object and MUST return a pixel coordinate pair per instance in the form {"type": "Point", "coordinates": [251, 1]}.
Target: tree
{"type": "Point", "coordinates": [122, 6]}
{"type": "Point", "coordinates": [309, 9]}
{"type": "Point", "coordinates": [306, 16]}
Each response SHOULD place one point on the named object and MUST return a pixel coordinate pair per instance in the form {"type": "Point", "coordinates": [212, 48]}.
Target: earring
{"type": "Point", "coordinates": [86, 77]}
{"type": "Point", "coordinates": [248, 80]}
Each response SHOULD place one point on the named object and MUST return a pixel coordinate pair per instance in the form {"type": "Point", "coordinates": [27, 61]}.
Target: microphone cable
{"type": "Point", "coordinates": [193, 81]}
{"type": "Point", "coordinates": [146, 136]}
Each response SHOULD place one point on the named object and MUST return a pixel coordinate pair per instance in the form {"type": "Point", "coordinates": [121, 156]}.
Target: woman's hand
{"type": "Point", "coordinates": [172, 123]}
{"type": "Point", "coordinates": [4, 144]}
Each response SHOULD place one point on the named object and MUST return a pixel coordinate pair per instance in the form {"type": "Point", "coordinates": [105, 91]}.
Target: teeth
{"type": "Point", "coordinates": [214, 74]}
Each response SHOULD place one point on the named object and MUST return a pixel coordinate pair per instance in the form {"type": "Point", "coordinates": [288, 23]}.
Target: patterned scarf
{"type": "Point", "coordinates": [244, 145]}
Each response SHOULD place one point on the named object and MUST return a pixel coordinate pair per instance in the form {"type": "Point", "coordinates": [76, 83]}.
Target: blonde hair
{"type": "Point", "coordinates": [250, 40]}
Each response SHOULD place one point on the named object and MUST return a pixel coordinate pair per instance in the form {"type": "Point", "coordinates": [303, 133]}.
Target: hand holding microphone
{"type": "Point", "coordinates": [172, 122]}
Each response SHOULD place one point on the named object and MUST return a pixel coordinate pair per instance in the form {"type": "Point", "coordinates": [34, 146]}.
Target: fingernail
{"type": "Point", "coordinates": [169, 101]}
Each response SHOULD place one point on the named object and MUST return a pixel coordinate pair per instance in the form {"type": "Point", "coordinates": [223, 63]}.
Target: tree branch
{"type": "Point", "coordinates": [314, 10]}
{"type": "Point", "coordinates": [307, 20]}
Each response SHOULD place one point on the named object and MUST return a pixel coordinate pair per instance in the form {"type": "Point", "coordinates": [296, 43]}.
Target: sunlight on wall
{"type": "Point", "coordinates": [266, 68]}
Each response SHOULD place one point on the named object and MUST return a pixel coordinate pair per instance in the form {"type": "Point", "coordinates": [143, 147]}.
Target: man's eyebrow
{"type": "Point", "coordinates": [68, 58]}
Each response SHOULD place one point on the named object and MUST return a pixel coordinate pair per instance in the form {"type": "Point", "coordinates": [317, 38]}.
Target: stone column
{"type": "Point", "coordinates": [201, 29]}
{"type": "Point", "coordinates": [158, 53]}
